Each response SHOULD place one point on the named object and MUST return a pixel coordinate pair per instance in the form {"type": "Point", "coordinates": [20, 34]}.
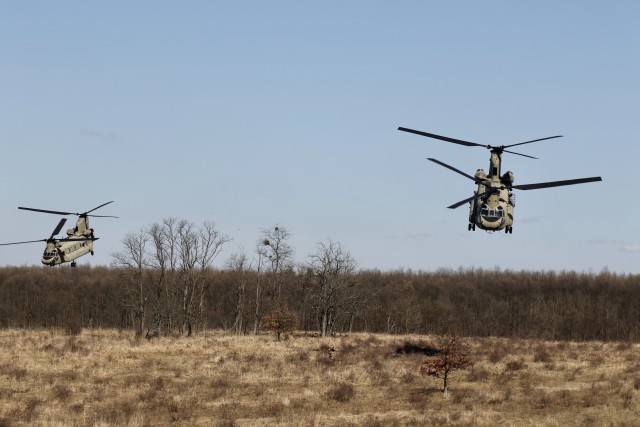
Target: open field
{"type": "Point", "coordinates": [107, 377]}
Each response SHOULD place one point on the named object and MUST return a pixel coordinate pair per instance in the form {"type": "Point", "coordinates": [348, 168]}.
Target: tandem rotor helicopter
{"type": "Point", "coordinates": [491, 206]}
{"type": "Point", "coordinates": [79, 240]}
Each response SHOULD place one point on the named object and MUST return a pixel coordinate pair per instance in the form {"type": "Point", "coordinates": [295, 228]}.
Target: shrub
{"type": "Point", "coordinates": [453, 354]}
{"type": "Point", "coordinates": [342, 392]}
{"type": "Point", "coordinates": [280, 321]}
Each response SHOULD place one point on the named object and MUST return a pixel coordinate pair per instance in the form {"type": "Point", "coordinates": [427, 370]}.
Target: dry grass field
{"type": "Point", "coordinates": [107, 377]}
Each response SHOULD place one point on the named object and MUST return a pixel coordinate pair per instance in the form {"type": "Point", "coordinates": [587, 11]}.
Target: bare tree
{"type": "Point", "coordinates": [239, 265]}
{"type": "Point", "coordinates": [178, 255]}
{"type": "Point", "coordinates": [335, 282]}
{"type": "Point", "coordinates": [197, 248]}
{"type": "Point", "coordinates": [279, 253]}
{"type": "Point", "coordinates": [257, 307]}
{"type": "Point", "coordinates": [274, 261]}
{"type": "Point", "coordinates": [164, 262]}
{"type": "Point", "coordinates": [131, 262]}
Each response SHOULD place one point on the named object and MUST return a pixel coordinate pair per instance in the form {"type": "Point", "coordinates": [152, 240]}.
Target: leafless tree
{"type": "Point", "coordinates": [335, 281]}
{"type": "Point", "coordinates": [197, 248]}
{"type": "Point", "coordinates": [259, 277]}
{"type": "Point", "coordinates": [131, 262]}
{"type": "Point", "coordinates": [178, 256]}
{"type": "Point", "coordinates": [274, 260]}
{"type": "Point", "coordinates": [239, 265]}
{"type": "Point", "coordinates": [279, 253]}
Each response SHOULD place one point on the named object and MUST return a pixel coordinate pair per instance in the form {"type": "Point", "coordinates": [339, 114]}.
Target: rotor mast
{"type": "Point", "coordinates": [495, 162]}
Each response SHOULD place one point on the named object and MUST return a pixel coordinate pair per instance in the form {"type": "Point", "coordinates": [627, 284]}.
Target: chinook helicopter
{"type": "Point", "coordinates": [492, 204]}
{"type": "Point", "coordinates": [79, 240]}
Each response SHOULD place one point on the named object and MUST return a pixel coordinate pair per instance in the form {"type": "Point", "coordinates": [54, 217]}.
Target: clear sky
{"type": "Point", "coordinates": [259, 113]}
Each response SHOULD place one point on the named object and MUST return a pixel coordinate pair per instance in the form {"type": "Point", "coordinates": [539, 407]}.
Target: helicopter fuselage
{"type": "Point", "coordinates": [494, 212]}
{"type": "Point", "coordinates": [58, 252]}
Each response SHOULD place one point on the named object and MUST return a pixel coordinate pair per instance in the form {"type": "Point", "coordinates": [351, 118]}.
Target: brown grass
{"type": "Point", "coordinates": [106, 377]}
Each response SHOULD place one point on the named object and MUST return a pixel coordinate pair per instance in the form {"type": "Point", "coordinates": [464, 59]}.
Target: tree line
{"type": "Point", "coordinates": [528, 304]}
{"type": "Point", "coordinates": [163, 282]}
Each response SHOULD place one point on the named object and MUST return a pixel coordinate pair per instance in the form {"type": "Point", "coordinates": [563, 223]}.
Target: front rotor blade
{"type": "Point", "coordinates": [59, 227]}
{"type": "Point", "coordinates": [46, 211]}
{"type": "Point", "coordinates": [442, 138]}
{"type": "Point", "coordinates": [534, 140]}
{"type": "Point", "coordinates": [452, 168]}
{"type": "Point", "coordinates": [475, 196]}
{"type": "Point", "coordinates": [557, 183]}
{"type": "Point", "coordinates": [20, 243]}
{"type": "Point", "coordinates": [78, 239]}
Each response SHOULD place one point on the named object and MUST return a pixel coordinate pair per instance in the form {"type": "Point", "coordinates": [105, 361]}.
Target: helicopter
{"type": "Point", "coordinates": [79, 240]}
{"type": "Point", "coordinates": [492, 204]}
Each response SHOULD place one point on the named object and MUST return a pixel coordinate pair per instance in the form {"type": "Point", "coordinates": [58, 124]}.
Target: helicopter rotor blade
{"type": "Point", "coordinates": [58, 227]}
{"type": "Point", "coordinates": [104, 204]}
{"type": "Point", "coordinates": [557, 183]}
{"type": "Point", "coordinates": [442, 138]}
{"type": "Point", "coordinates": [46, 211]}
{"type": "Point", "coordinates": [519, 154]}
{"type": "Point", "coordinates": [69, 239]}
{"type": "Point", "coordinates": [78, 239]}
{"type": "Point", "coordinates": [85, 214]}
{"type": "Point", "coordinates": [475, 196]}
{"type": "Point", "coordinates": [20, 243]}
{"type": "Point", "coordinates": [529, 142]}
{"type": "Point", "coordinates": [499, 149]}
{"type": "Point", "coordinates": [452, 168]}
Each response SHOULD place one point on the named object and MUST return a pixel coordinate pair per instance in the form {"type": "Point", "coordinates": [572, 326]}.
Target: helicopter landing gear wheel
{"type": "Point", "coordinates": [471, 227]}
{"type": "Point", "coordinates": [508, 230]}
{"type": "Point", "coordinates": [91, 253]}
{"type": "Point", "coordinates": [73, 264]}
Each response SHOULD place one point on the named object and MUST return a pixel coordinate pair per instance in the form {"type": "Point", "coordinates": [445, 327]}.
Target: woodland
{"type": "Point", "coordinates": [469, 302]}
{"type": "Point", "coordinates": [164, 283]}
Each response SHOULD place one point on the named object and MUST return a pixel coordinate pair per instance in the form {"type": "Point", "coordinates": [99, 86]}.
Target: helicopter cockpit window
{"type": "Point", "coordinates": [495, 213]}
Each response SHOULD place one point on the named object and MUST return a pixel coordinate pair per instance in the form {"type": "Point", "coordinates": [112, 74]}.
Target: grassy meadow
{"type": "Point", "coordinates": [108, 377]}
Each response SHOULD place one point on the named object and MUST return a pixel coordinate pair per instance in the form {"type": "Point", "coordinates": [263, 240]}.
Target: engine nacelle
{"type": "Point", "coordinates": [508, 178]}
{"type": "Point", "coordinates": [480, 175]}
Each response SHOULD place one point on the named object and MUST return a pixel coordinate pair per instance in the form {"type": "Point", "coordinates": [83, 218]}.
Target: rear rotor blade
{"type": "Point", "coordinates": [475, 196]}
{"type": "Point", "coordinates": [71, 213]}
{"type": "Point", "coordinates": [534, 140]}
{"type": "Point", "coordinates": [452, 168]}
{"type": "Point", "coordinates": [442, 138]}
{"type": "Point", "coordinates": [104, 204]}
{"type": "Point", "coordinates": [519, 154]}
{"type": "Point", "coordinates": [557, 183]}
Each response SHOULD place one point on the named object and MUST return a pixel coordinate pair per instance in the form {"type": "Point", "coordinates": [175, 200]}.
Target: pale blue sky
{"type": "Point", "coordinates": [257, 113]}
